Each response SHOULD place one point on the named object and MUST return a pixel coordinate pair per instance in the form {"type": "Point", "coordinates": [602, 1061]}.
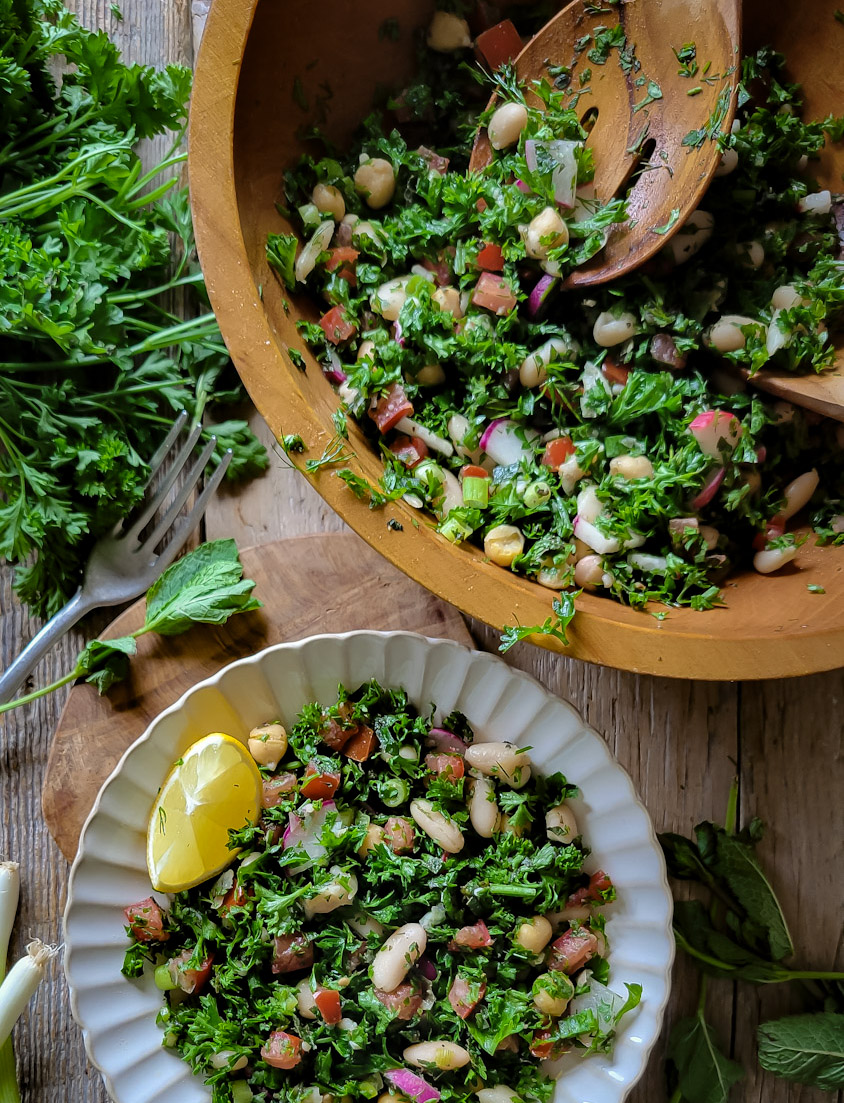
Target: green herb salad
{"type": "Point", "coordinates": [601, 439]}
{"type": "Point", "coordinates": [409, 920]}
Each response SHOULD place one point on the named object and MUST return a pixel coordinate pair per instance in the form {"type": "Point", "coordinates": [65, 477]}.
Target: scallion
{"type": "Point", "coordinates": [454, 530]}
{"type": "Point", "coordinates": [537, 494]}
{"type": "Point", "coordinates": [476, 492]}
{"type": "Point", "coordinates": [393, 791]}
{"type": "Point", "coordinates": [19, 986]}
{"type": "Point", "coordinates": [9, 894]}
{"type": "Point", "coordinates": [241, 1092]}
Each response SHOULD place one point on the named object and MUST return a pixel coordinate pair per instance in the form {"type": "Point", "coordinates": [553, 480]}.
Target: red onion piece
{"type": "Point", "coordinates": [426, 968]}
{"type": "Point", "coordinates": [419, 1090]}
{"type": "Point", "coordinates": [540, 293]}
{"type": "Point", "coordinates": [761, 453]}
{"type": "Point", "coordinates": [446, 741]}
{"type": "Point", "coordinates": [334, 375]}
{"type": "Point", "coordinates": [397, 334]}
{"type": "Point", "coordinates": [522, 186]}
{"type": "Point", "coordinates": [487, 433]}
{"type": "Point", "coordinates": [710, 489]}
{"type": "Point", "coordinates": [530, 154]}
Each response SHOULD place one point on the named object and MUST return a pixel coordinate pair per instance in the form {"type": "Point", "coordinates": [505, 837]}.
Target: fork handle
{"type": "Point", "coordinates": [19, 670]}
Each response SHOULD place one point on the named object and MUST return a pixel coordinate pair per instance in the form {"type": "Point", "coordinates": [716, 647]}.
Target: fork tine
{"type": "Point", "coordinates": [166, 445]}
{"type": "Point", "coordinates": [189, 523]}
{"type": "Point", "coordinates": [185, 491]}
{"type": "Point", "coordinates": [155, 503]}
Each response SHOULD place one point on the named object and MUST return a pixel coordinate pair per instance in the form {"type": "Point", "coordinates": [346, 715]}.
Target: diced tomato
{"type": "Point", "coordinates": [410, 450]}
{"type": "Point", "coordinates": [274, 789]}
{"type": "Point", "coordinates": [498, 45]}
{"type": "Point", "coordinates": [342, 260]}
{"type": "Point", "coordinates": [579, 898]}
{"type": "Point", "coordinates": [189, 980]}
{"type": "Point", "coordinates": [510, 1044]}
{"type": "Point", "coordinates": [544, 1047]}
{"type": "Point", "coordinates": [472, 938]}
{"type": "Point", "coordinates": [236, 897]}
{"type": "Point", "coordinates": [450, 767]}
{"type": "Point", "coordinates": [404, 1000]}
{"type": "Point", "coordinates": [282, 1050]}
{"type": "Point", "coordinates": [490, 258]}
{"type": "Point", "coordinates": [473, 471]}
{"type": "Point", "coordinates": [481, 206]}
{"type": "Point", "coordinates": [328, 1005]}
{"type": "Point", "coordinates": [601, 887]}
{"type": "Point", "coordinates": [361, 745]}
{"type": "Point", "coordinates": [145, 921]}
{"type": "Point", "coordinates": [440, 269]}
{"type": "Point", "coordinates": [292, 952]}
{"type": "Point", "coordinates": [336, 326]}
{"type": "Point", "coordinates": [320, 784]}
{"type": "Point", "coordinates": [391, 408]}
{"type": "Point", "coordinates": [464, 997]}
{"type": "Point", "coordinates": [399, 834]}
{"type": "Point", "coordinates": [614, 372]}
{"type": "Point", "coordinates": [493, 293]}
{"type": "Point", "coordinates": [337, 732]}
{"type": "Point", "coordinates": [772, 531]}
{"type": "Point", "coordinates": [435, 162]}
{"type": "Point", "coordinates": [571, 951]}
{"type": "Point", "coordinates": [557, 451]}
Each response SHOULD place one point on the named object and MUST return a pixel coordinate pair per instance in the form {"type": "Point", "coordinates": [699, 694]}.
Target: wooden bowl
{"type": "Point", "coordinates": [244, 131]}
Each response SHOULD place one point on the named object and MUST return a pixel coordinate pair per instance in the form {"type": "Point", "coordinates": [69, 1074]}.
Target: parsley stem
{"type": "Point", "coordinates": [162, 289]}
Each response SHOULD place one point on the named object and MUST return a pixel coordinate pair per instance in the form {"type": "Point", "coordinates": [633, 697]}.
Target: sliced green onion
{"type": "Point", "coordinates": [430, 475]}
{"type": "Point", "coordinates": [19, 986]}
{"type": "Point", "coordinates": [164, 978]}
{"type": "Point", "coordinates": [476, 492]}
{"type": "Point", "coordinates": [454, 530]}
{"type": "Point", "coordinates": [393, 791]}
{"type": "Point", "coordinates": [309, 213]}
{"type": "Point", "coordinates": [537, 494]}
{"type": "Point", "coordinates": [241, 1092]}
{"type": "Point", "coordinates": [9, 894]}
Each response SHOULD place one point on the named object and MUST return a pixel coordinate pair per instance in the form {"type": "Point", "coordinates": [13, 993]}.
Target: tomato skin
{"type": "Point", "coordinates": [404, 1000]}
{"type": "Point", "coordinates": [615, 373]}
{"type": "Point", "coordinates": [772, 531]}
{"type": "Point", "coordinates": [361, 745]}
{"type": "Point", "coordinates": [282, 1050]}
{"type": "Point", "coordinates": [490, 258]}
{"type": "Point", "coordinates": [318, 784]}
{"type": "Point", "coordinates": [190, 980]}
{"type": "Point", "coordinates": [557, 451]}
{"type": "Point", "coordinates": [447, 766]}
{"type": "Point", "coordinates": [473, 471]}
{"type": "Point", "coordinates": [328, 1005]}
{"type": "Point", "coordinates": [292, 952]}
{"type": "Point", "coordinates": [601, 888]}
{"type": "Point", "coordinates": [145, 921]}
{"type": "Point", "coordinates": [544, 1047]}
{"type": "Point", "coordinates": [434, 161]}
{"type": "Point", "coordinates": [571, 951]}
{"type": "Point", "coordinates": [391, 408]}
{"type": "Point", "coordinates": [399, 834]}
{"type": "Point", "coordinates": [337, 733]}
{"type": "Point", "coordinates": [236, 897]}
{"type": "Point", "coordinates": [465, 997]}
{"type": "Point", "coordinates": [342, 260]}
{"type": "Point", "coordinates": [274, 789]}
{"type": "Point", "coordinates": [499, 44]}
{"type": "Point", "coordinates": [475, 937]}
{"type": "Point", "coordinates": [410, 450]}
{"type": "Point", "coordinates": [494, 293]}
{"type": "Point", "coordinates": [336, 326]}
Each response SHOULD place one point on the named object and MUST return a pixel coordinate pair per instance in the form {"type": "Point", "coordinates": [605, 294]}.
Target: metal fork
{"type": "Point", "coordinates": [121, 565]}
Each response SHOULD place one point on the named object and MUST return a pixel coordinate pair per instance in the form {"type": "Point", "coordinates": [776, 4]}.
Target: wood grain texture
{"type": "Point", "coordinates": [346, 586]}
{"type": "Point", "coordinates": [681, 742]}
{"type": "Point", "coordinates": [241, 144]}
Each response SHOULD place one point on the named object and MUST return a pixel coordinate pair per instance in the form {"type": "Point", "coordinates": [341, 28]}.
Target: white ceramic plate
{"type": "Point", "coordinates": [117, 1016]}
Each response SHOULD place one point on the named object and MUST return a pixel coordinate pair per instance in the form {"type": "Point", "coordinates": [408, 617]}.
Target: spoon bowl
{"type": "Point", "coordinates": [652, 115]}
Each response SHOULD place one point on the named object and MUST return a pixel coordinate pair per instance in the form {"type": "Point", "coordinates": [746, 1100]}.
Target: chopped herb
{"type": "Point", "coordinates": [670, 224]}
{"type": "Point", "coordinates": [654, 93]}
{"type": "Point", "coordinates": [298, 359]}
{"type": "Point", "coordinates": [815, 588]}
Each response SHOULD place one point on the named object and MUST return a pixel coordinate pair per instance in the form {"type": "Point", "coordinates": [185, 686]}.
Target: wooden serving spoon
{"type": "Point", "coordinates": [644, 115]}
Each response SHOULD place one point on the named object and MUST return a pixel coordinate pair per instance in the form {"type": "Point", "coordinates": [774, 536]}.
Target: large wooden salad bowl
{"type": "Point", "coordinates": [246, 127]}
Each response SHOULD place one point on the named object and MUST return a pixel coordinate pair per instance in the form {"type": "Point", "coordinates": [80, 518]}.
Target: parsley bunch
{"type": "Point", "coordinates": [95, 255]}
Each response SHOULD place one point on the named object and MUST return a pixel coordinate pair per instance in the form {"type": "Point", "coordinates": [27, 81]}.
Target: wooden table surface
{"type": "Point", "coordinates": [682, 742]}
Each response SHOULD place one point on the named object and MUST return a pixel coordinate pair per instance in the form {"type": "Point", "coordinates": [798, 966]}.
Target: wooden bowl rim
{"type": "Point", "coordinates": [711, 645]}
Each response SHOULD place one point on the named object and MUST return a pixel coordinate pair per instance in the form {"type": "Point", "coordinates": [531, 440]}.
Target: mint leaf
{"type": "Point", "coordinates": [738, 866]}
{"type": "Point", "coordinates": [206, 585]}
{"type": "Point", "coordinates": [806, 1049]}
{"type": "Point", "coordinates": [704, 1074]}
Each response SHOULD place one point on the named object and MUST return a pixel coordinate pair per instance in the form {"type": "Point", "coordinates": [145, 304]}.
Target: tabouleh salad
{"type": "Point", "coordinates": [410, 919]}
{"type": "Point", "coordinates": [599, 439]}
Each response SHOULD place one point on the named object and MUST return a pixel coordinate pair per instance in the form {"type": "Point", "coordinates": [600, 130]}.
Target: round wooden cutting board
{"type": "Point", "coordinates": [310, 584]}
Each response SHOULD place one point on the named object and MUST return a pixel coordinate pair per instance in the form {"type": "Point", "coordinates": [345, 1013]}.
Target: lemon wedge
{"type": "Point", "coordinates": [215, 786]}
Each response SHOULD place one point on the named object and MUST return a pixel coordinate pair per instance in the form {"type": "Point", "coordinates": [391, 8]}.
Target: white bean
{"type": "Point", "coordinates": [532, 372]}
{"type": "Point", "coordinates": [342, 890]}
{"type": "Point", "coordinates": [632, 467]}
{"type": "Point", "coordinates": [798, 492]}
{"type": "Point", "coordinates": [771, 559]}
{"type": "Point", "coordinates": [388, 299]}
{"type": "Point", "coordinates": [645, 562]}
{"type": "Point", "coordinates": [220, 1060]}
{"type": "Point", "coordinates": [439, 1055]}
{"type": "Point", "coordinates": [507, 124]}
{"type": "Point", "coordinates": [504, 761]}
{"type": "Point", "coordinates": [267, 744]}
{"type": "Point", "coordinates": [374, 837]}
{"type": "Point", "coordinates": [819, 202]}
{"type": "Point", "coordinates": [483, 809]}
{"type": "Point", "coordinates": [305, 1000]}
{"type": "Point", "coordinates": [560, 824]}
{"type": "Point", "coordinates": [376, 182]}
{"type": "Point", "coordinates": [364, 925]}
{"type": "Point", "coordinates": [570, 474]}
{"type": "Point", "coordinates": [711, 535]}
{"type": "Point", "coordinates": [553, 578]}
{"type": "Point", "coordinates": [499, 1093]}
{"type": "Point", "coordinates": [726, 334]}
{"type": "Point", "coordinates": [786, 297]}
{"type": "Point", "coordinates": [728, 162]}
{"type": "Point", "coordinates": [545, 231]}
{"type": "Point", "coordinates": [329, 200]}
{"type": "Point", "coordinates": [448, 32]}
{"type": "Point", "coordinates": [751, 254]}
{"type": "Point", "coordinates": [437, 826]}
{"type": "Point", "coordinates": [503, 543]}
{"type": "Point", "coordinates": [589, 572]}
{"type": "Point", "coordinates": [534, 934]}
{"type": "Point", "coordinates": [448, 299]}
{"type": "Point", "coordinates": [691, 236]}
{"type": "Point", "coordinates": [399, 953]}
{"type": "Point", "coordinates": [551, 994]}
{"type": "Point", "coordinates": [366, 350]}
{"type": "Point", "coordinates": [612, 329]}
